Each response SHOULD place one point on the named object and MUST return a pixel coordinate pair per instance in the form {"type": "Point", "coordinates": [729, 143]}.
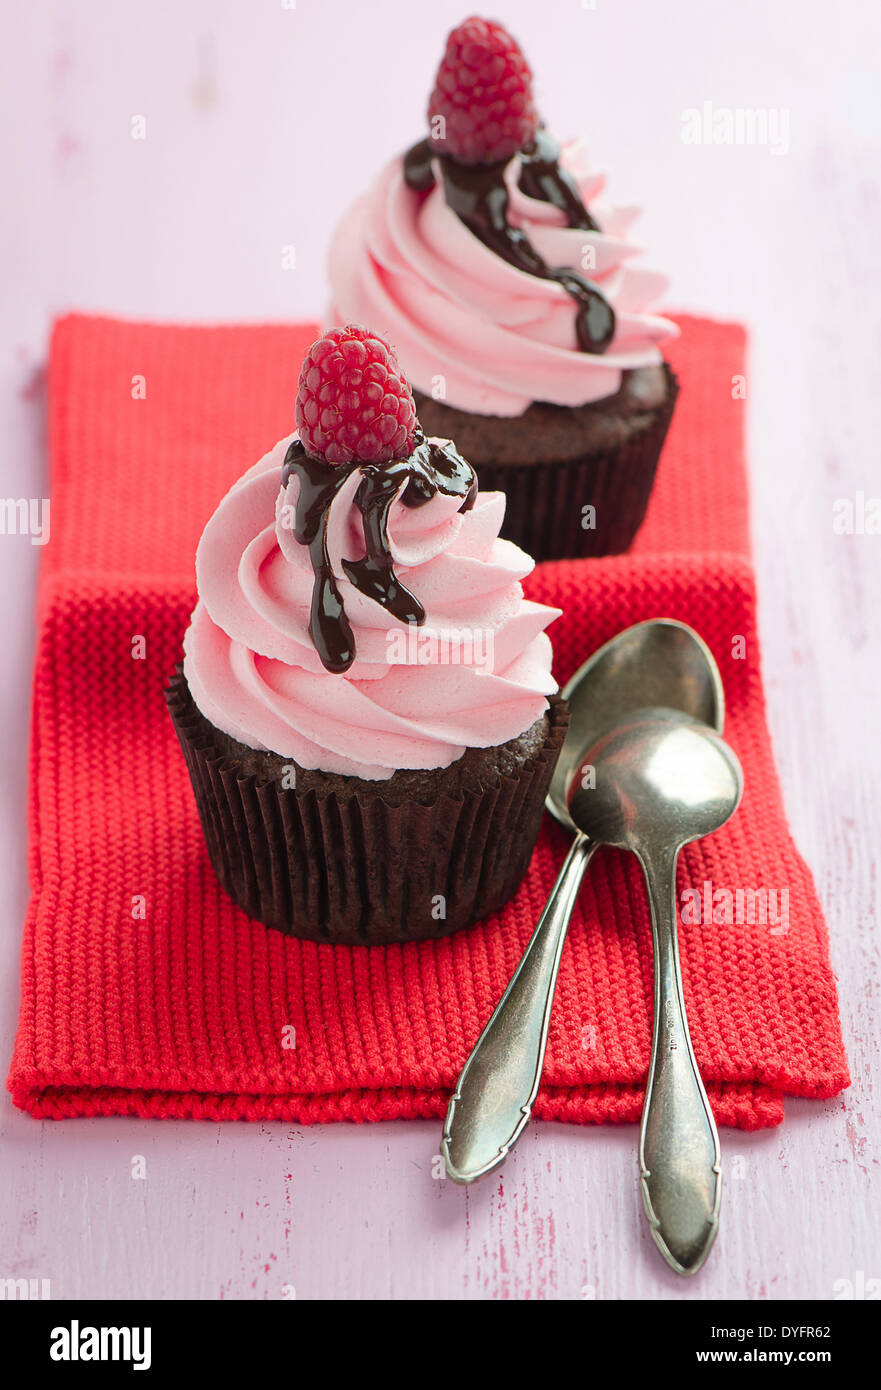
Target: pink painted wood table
{"type": "Point", "coordinates": [250, 149]}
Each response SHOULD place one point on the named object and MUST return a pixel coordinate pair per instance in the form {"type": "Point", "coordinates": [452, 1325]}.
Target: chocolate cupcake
{"type": "Point", "coordinates": [519, 317]}
{"type": "Point", "coordinates": [365, 705]}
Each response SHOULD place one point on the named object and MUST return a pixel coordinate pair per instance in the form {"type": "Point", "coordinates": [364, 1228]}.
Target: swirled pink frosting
{"type": "Point", "coordinates": [475, 675]}
{"type": "Point", "coordinates": [497, 337]}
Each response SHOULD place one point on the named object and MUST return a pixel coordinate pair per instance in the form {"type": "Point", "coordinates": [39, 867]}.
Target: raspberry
{"type": "Point", "coordinates": [353, 402]}
{"type": "Point", "coordinates": [483, 91]}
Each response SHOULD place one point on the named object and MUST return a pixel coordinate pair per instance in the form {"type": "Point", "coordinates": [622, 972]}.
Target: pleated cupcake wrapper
{"type": "Point", "coordinates": [543, 514]}
{"type": "Point", "coordinates": [354, 869]}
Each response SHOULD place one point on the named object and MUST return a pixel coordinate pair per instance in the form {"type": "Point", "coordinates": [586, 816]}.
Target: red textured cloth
{"type": "Point", "coordinates": [144, 991]}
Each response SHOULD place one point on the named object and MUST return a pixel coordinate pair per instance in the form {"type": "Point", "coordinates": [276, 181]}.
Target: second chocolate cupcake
{"type": "Point", "coordinates": [520, 317]}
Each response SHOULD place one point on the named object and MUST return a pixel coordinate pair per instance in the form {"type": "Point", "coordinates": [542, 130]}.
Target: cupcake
{"type": "Point", "coordinates": [519, 316]}
{"type": "Point", "coordinates": [365, 705]}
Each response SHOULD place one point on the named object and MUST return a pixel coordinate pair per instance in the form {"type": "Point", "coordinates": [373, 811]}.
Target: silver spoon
{"type": "Point", "coordinates": [657, 663]}
{"type": "Point", "coordinates": [655, 785]}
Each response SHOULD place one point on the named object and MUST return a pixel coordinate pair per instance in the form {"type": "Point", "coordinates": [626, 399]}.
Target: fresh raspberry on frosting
{"type": "Point", "coordinates": [483, 92]}
{"type": "Point", "coordinates": [354, 404]}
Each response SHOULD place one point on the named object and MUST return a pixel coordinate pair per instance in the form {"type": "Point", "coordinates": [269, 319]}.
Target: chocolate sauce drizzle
{"type": "Point", "coordinates": [478, 195]}
{"type": "Point", "coordinates": [430, 468]}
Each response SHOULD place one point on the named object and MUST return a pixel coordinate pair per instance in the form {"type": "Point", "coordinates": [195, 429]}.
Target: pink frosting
{"type": "Point", "coordinates": [404, 263]}
{"type": "Point", "coordinates": [475, 675]}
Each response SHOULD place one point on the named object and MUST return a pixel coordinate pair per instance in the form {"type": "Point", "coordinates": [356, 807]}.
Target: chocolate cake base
{"type": "Point", "coordinates": [346, 860]}
{"type": "Point", "coordinates": [554, 461]}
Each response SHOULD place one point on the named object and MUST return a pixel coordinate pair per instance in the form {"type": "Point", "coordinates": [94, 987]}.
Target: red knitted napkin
{"type": "Point", "coordinates": [144, 991]}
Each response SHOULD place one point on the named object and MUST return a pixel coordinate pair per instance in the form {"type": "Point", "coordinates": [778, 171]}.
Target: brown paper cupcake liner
{"type": "Point", "coordinates": [343, 865]}
{"type": "Point", "coordinates": [543, 514]}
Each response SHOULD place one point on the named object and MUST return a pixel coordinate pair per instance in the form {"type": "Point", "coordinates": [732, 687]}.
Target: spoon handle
{"type": "Point", "coordinates": [494, 1096]}
{"type": "Point", "coordinates": [679, 1154]}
